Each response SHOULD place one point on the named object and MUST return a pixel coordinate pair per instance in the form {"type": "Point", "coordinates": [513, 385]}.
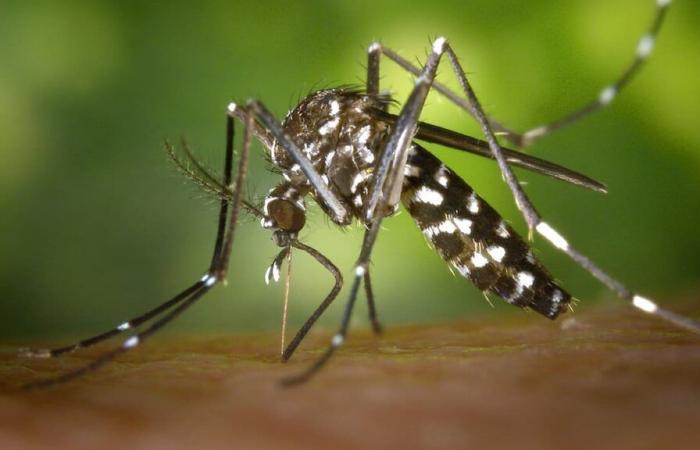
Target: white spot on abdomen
{"type": "Point", "coordinates": [441, 176]}
{"type": "Point", "coordinates": [556, 299]}
{"type": "Point", "coordinates": [525, 279]}
{"type": "Point", "coordinates": [447, 226]}
{"type": "Point", "coordinates": [411, 171]}
{"type": "Point", "coordinates": [496, 252]}
{"type": "Point", "coordinates": [479, 260]}
{"type": "Point", "coordinates": [464, 225]}
{"type": "Point", "coordinates": [427, 195]}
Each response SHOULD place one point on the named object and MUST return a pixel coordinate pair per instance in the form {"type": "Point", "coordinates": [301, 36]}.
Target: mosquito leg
{"type": "Point", "coordinates": [271, 129]}
{"type": "Point", "coordinates": [201, 288]}
{"type": "Point", "coordinates": [216, 273]}
{"type": "Point", "coordinates": [339, 338]}
{"type": "Point", "coordinates": [388, 178]}
{"type": "Point", "coordinates": [137, 321]}
{"type": "Point", "coordinates": [532, 218]}
{"type": "Point", "coordinates": [535, 222]}
{"type": "Point", "coordinates": [128, 325]}
{"type": "Point", "coordinates": [374, 55]}
{"type": "Point", "coordinates": [391, 164]}
{"type": "Point", "coordinates": [606, 96]}
{"type": "Point", "coordinates": [642, 303]}
{"type": "Point", "coordinates": [220, 261]}
{"type": "Point", "coordinates": [442, 89]}
{"type": "Point", "coordinates": [273, 135]}
{"type": "Point", "coordinates": [531, 215]}
{"type": "Point", "coordinates": [376, 326]}
{"type": "Point", "coordinates": [325, 262]}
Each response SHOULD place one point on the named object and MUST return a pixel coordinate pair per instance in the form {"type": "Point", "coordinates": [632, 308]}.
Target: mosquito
{"type": "Point", "coordinates": [345, 150]}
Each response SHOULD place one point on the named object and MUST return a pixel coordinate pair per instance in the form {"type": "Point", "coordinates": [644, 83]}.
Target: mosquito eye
{"type": "Point", "coordinates": [286, 215]}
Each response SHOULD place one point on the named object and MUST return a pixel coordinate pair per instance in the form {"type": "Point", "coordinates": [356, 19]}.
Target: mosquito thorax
{"type": "Point", "coordinates": [337, 130]}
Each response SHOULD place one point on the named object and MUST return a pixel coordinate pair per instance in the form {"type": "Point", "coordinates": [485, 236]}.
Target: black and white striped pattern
{"type": "Point", "coordinates": [473, 238]}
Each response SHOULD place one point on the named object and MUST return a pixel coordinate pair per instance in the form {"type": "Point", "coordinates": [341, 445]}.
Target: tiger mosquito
{"type": "Point", "coordinates": [359, 162]}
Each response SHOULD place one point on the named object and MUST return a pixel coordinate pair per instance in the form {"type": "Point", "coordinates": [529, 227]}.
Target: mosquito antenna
{"type": "Point", "coordinates": [203, 177]}
{"type": "Point", "coordinates": [215, 188]}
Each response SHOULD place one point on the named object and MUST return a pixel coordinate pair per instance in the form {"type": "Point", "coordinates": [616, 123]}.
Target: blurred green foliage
{"type": "Point", "coordinates": [96, 225]}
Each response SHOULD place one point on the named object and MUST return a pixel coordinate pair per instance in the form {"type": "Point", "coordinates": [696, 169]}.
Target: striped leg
{"type": "Point", "coordinates": [532, 217]}
{"type": "Point", "coordinates": [178, 304]}
{"type": "Point", "coordinates": [608, 93]}
{"type": "Point", "coordinates": [125, 326]}
{"type": "Point", "coordinates": [198, 289]}
{"type": "Point", "coordinates": [535, 222]}
{"type": "Point", "coordinates": [524, 139]}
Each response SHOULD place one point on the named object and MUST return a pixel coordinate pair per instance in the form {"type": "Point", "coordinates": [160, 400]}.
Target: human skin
{"type": "Point", "coordinates": [600, 378]}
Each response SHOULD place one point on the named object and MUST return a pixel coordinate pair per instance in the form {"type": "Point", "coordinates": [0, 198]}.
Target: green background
{"type": "Point", "coordinates": [96, 225]}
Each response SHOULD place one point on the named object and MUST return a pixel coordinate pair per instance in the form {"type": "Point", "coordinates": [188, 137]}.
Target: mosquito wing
{"type": "Point", "coordinates": [442, 136]}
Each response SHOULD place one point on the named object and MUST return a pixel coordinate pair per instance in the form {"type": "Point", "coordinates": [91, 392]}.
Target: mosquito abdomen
{"type": "Point", "coordinates": [473, 238]}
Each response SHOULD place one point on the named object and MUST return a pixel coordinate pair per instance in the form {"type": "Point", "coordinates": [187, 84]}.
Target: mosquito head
{"type": "Point", "coordinates": [285, 213]}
